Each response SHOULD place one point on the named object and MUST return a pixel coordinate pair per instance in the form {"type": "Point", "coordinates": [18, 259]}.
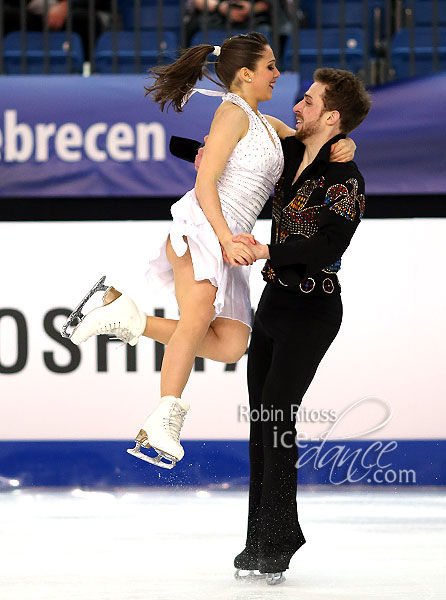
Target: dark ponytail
{"type": "Point", "coordinates": [173, 82]}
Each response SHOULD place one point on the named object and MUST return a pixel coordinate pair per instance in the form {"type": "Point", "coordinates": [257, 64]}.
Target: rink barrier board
{"type": "Point", "coordinates": [221, 464]}
{"type": "Point", "coordinates": [99, 136]}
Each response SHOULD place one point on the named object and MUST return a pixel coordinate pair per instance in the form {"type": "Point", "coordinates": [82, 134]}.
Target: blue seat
{"type": "Point", "coordinates": [331, 16]}
{"type": "Point", "coordinates": [35, 53]}
{"type": "Point", "coordinates": [148, 15]}
{"type": "Point", "coordinates": [423, 12]}
{"type": "Point", "coordinates": [353, 17]}
{"type": "Point", "coordinates": [331, 52]}
{"type": "Point", "coordinates": [216, 37]}
{"type": "Point", "coordinates": [423, 51]}
{"type": "Point", "coordinates": [126, 51]}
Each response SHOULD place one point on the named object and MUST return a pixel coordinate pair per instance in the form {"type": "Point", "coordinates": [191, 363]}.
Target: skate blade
{"type": "Point", "coordinates": [153, 460]}
{"type": "Point", "coordinates": [76, 316]}
{"type": "Point", "coordinates": [275, 578]}
{"type": "Point", "coordinates": [251, 575]}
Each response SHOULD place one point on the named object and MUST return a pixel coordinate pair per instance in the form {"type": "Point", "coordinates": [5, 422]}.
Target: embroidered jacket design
{"type": "Point", "coordinates": [298, 218]}
{"type": "Point", "coordinates": [294, 218]}
{"type": "Point", "coordinates": [345, 202]}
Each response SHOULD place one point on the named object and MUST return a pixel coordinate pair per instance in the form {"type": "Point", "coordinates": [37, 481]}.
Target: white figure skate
{"type": "Point", "coordinates": [161, 430]}
{"type": "Point", "coordinates": [118, 316]}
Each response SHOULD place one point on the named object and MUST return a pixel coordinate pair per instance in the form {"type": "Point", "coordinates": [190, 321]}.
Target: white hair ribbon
{"type": "Point", "coordinates": [187, 97]}
{"type": "Point", "coordinates": [217, 50]}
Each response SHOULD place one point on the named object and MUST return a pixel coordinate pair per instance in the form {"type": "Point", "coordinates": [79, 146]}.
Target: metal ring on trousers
{"type": "Point", "coordinates": [328, 285]}
{"type": "Point", "coordinates": [310, 281]}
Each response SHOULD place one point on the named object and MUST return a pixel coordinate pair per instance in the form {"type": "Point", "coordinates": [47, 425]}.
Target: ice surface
{"type": "Point", "coordinates": [173, 544]}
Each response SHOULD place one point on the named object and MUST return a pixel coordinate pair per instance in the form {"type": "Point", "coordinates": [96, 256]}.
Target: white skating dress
{"type": "Point", "coordinates": [250, 174]}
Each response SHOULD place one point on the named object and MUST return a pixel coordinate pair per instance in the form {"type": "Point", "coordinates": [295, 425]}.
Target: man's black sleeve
{"type": "Point", "coordinates": [184, 148]}
{"type": "Point", "coordinates": [338, 221]}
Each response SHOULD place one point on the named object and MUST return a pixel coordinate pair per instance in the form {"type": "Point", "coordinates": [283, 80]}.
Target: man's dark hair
{"type": "Point", "coordinates": [345, 93]}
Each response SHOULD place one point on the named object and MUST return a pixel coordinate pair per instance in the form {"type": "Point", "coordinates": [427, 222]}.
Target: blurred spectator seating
{"type": "Point", "coordinates": [369, 16]}
{"type": "Point", "coordinates": [58, 60]}
{"type": "Point", "coordinates": [217, 36]}
{"type": "Point", "coordinates": [423, 51]}
{"type": "Point", "coordinates": [424, 12]}
{"type": "Point", "coordinates": [353, 51]}
{"type": "Point", "coordinates": [226, 15]}
{"type": "Point", "coordinates": [128, 58]}
{"type": "Point", "coordinates": [57, 17]}
{"type": "Point", "coordinates": [150, 15]}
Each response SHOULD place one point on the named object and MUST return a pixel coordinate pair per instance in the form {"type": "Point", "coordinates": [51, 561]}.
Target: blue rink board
{"type": "Point", "coordinates": [225, 464]}
{"type": "Point", "coordinates": [100, 150]}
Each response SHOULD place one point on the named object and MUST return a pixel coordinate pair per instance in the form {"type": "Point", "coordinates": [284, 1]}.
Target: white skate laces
{"type": "Point", "coordinates": [174, 422]}
{"type": "Point", "coordinates": [118, 316]}
{"type": "Point", "coordinates": [121, 333]}
{"type": "Point", "coordinates": [161, 431]}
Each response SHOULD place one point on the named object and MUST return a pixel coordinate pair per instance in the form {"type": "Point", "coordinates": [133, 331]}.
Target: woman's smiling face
{"type": "Point", "coordinates": [265, 75]}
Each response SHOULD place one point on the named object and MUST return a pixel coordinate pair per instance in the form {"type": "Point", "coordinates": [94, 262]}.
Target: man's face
{"type": "Point", "coordinates": [309, 112]}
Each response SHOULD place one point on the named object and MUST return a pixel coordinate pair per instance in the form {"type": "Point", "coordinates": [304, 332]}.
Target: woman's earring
{"type": "Point", "coordinates": [249, 80]}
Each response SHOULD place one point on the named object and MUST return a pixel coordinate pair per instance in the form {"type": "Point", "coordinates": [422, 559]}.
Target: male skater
{"type": "Point", "coordinates": [316, 209]}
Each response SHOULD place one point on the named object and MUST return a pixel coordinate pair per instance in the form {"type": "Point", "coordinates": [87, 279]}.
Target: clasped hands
{"type": "Point", "coordinates": [242, 249]}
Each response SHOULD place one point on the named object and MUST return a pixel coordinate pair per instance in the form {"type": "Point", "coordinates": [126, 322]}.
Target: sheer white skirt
{"type": "Point", "coordinates": [232, 299]}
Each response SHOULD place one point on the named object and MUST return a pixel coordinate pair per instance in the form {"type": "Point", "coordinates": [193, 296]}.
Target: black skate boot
{"type": "Point", "coordinates": [247, 566]}
{"type": "Point", "coordinates": [273, 567]}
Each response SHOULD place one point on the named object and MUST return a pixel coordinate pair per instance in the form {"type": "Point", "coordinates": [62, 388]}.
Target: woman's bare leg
{"type": "Point", "coordinates": [225, 340]}
{"type": "Point", "coordinates": [195, 300]}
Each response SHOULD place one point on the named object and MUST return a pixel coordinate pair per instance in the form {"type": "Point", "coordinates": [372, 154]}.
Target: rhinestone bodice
{"type": "Point", "coordinates": [252, 169]}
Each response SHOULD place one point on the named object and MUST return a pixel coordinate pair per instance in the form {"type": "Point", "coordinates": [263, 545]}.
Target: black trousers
{"type": "Point", "coordinates": [292, 331]}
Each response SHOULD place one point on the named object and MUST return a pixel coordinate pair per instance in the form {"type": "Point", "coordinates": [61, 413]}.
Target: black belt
{"type": "Point", "coordinates": [320, 283]}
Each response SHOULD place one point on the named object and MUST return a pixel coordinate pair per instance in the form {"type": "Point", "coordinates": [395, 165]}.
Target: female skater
{"type": "Point", "coordinates": [242, 163]}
